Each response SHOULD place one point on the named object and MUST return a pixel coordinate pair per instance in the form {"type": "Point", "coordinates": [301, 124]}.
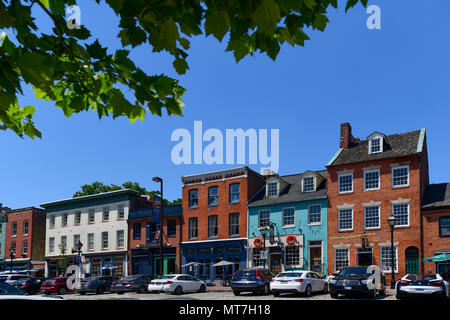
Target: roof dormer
{"type": "Point", "coordinates": [274, 186]}
{"type": "Point", "coordinates": [376, 142]}
{"type": "Point", "coordinates": [310, 181]}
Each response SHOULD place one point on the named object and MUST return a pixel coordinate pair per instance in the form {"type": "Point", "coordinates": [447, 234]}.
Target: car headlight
{"type": "Point", "coordinates": [332, 281]}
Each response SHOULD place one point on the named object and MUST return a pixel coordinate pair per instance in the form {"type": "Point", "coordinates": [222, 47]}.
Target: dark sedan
{"type": "Point", "coordinates": [137, 283]}
{"type": "Point", "coordinates": [355, 280]}
{"type": "Point", "coordinates": [98, 285]}
{"type": "Point", "coordinates": [252, 280]}
{"type": "Point", "coordinates": [29, 286]}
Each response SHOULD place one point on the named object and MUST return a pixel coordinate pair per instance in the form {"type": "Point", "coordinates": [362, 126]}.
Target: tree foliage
{"type": "Point", "coordinates": [78, 74]}
{"type": "Point", "coordinates": [98, 187]}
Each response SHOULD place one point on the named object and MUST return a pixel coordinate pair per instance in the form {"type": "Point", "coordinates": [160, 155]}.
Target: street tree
{"type": "Point", "coordinates": [72, 69]}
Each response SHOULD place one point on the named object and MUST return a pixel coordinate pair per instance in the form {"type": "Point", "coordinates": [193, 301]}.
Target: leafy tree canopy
{"type": "Point", "coordinates": [98, 187]}
{"type": "Point", "coordinates": [77, 73]}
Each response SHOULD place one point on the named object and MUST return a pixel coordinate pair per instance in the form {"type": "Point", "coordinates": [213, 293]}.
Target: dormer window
{"type": "Point", "coordinates": [308, 184]}
{"type": "Point", "coordinates": [376, 142]}
{"type": "Point", "coordinates": [272, 189]}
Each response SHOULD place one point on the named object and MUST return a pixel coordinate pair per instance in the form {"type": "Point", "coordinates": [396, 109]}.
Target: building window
{"type": "Point", "coordinates": [105, 240]}
{"type": "Point", "coordinates": [234, 224]}
{"type": "Point", "coordinates": [213, 196]}
{"type": "Point", "coordinates": [375, 145]}
{"type": "Point", "coordinates": [308, 184]}
{"type": "Point", "coordinates": [25, 247]}
{"type": "Point", "coordinates": [14, 229]}
{"type": "Point", "coordinates": [235, 192]}
{"type": "Point", "coordinates": [288, 217]}
{"type": "Point", "coordinates": [272, 189]}
{"type": "Point", "coordinates": [25, 228]}
{"type": "Point", "coordinates": [51, 245]}
{"type": "Point", "coordinates": [401, 213]}
{"type": "Point", "coordinates": [151, 232]}
{"type": "Point", "coordinates": [105, 214]}
{"type": "Point", "coordinates": [91, 215]}
{"type": "Point", "coordinates": [193, 198]}
{"type": "Point", "coordinates": [90, 241]}
{"type": "Point", "coordinates": [136, 231]}
{"type": "Point", "coordinates": [121, 212]}
{"type": "Point", "coordinates": [13, 246]}
{"type": "Point", "coordinates": [315, 214]}
{"type": "Point", "coordinates": [371, 180]}
{"type": "Point", "coordinates": [444, 226]}
{"type": "Point", "coordinates": [372, 217]}
{"type": "Point", "coordinates": [345, 183]}
{"type": "Point", "coordinates": [257, 261]}
{"type": "Point", "coordinates": [345, 219]}
{"type": "Point", "coordinates": [65, 216]}
{"type": "Point", "coordinates": [78, 217]}
{"type": "Point", "coordinates": [171, 228]}
{"type": "Point", "coordinates": [63, 245]}
{"type": "Point", "coordinates": [193, 228]}
{"type": "Point", "coordinates": [76, 239]}
{"type": "Point", "coordinates": [52, 221]}
{"type": "Point", "coordinates": [400, 176]}
{"type": "Point", "coordinates": [212, 227]}
{"type": "Point", "coordinates": [341, 259]}
{"type": "Point", "coordinates": [264, 218]}
{"type": "Point", "coordinates": [386, 259]}
{"type": "Point", "coordinates": [292, 255]}
{"type": "Point", "coordinates": [207, 265]}
{"type": "Point", "coordinates": [120, 239]}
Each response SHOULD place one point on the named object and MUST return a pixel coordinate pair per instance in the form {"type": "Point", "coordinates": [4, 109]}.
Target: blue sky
{"type": "Point", "coordinates": [391, 80]}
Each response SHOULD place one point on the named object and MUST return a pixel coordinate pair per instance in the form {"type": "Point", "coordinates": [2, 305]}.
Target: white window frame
{"type": "Point", "coordinates": [409, 214]}
{"type": "Point", "coordinates": [277, 189]}
{"type": "Point", "coordinates": [89, 248]}
{"type": "Point", "coordinates": [259, 217]}
{"type": "Point", "coordinates": [118, 238]}
{"type": "Point", "coordinates": [314, 183]}
{"type": "Point", "coordinates": [51, 244]}
{"type": "Point", "coordinates": [348, 258]}
{"type": "Point", "coordinates": [339, 220]}
{"type": "Point", "coordinates": [103, 214]}
{"type": "Point", "coordinates": [282, 218]}
{"type": "Point", "coordinates": [396, 257]}
{"type": "Point", "coordinates": [103, 240]}
{"type": "Point", "coordinates": [75, 218]}
{"type": "Point", "coordinates": [309, 215]}
{"type": "Point", "coordinates": [65, 216]}
{"type": "Point", "coordinates": [339, 183]}
{"type": "Point", "coordinates": [120, 208]}
{"type": "Point", "coordinates": [379, 179]}
{"type": "Point", "coordinates": [381, 144]}
{"type": "Point", "coordinates": [392, 177]}
{"type": "Point", "coordinates": [91, 213]}
{"type": "Point", "coordinates": [365, 217]}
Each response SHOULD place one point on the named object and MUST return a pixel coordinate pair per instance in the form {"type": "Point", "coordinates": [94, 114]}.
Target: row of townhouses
{"type": "Point", "coordinates": [318, 220]}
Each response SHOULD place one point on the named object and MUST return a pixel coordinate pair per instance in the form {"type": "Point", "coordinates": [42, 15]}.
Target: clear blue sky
{"type": "Point", "coordinates": [391, 80]}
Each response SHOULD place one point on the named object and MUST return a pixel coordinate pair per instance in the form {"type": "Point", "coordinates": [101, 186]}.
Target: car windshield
{"type": "Point", "coordinates": [130, 278]}
{"type": "Point", "coordinates": [49, 280]}
{"type": "Point", "coordinates": [21, 281]}
{"type": "Point", "coordinates": [290, 275]}
{"type": "Point", "coordinates": [419, 277]}
{"type": "Point", "coordinates": [354, 272]}
{"type": "Point", "coordinates": [166, 277]}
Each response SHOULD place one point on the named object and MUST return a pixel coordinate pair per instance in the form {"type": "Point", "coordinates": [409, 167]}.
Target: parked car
{"type": "Point", "coordinates": [413, 285]}
{"type": "Point", "coordinates": [305, 282]}
{"type": "Point", "coordinates": [10, 278]}
{"type": "Point", "coordinates": [97, 285]}
{"type": "Point", "coordinates": [137, 283]}
{"type": "Point", "coordinates": [255, 280]}
{"type": "Point", "coordinates": [354, 280]}
{"type": "Point", "coordinates": [29, 285]}
{"type": "Point", "coordinates": [177, 284]}
{"type": "Point", "coordinates": [55, 285]}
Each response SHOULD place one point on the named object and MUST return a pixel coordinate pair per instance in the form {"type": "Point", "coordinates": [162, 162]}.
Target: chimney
{"type": "Point", "coordinates": [346, 135]}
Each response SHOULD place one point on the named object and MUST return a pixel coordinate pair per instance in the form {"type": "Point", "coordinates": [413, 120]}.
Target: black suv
{"type": "Point", "coordinates": [252, 280]}
{"type": "Point", "coordinates": [355, 280]}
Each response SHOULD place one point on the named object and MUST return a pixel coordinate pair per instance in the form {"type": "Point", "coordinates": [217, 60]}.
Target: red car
{"type": "Point", "coordinates": [56, 285]}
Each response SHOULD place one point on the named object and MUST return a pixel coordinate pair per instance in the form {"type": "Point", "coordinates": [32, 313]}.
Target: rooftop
{"type": "Point", "coordinates": [436, 196]}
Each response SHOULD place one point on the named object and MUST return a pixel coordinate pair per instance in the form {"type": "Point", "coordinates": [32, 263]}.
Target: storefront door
{"type": "Point", "coordinates": [169, 265]}
{"type": "Point", "coordinates": [315, 256]}
{"type": "Point", "coordinates": [275, 263]}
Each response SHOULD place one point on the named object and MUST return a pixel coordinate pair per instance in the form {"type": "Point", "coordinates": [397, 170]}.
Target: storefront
{"type": "Point", "coordinates": [106, 265]}
{"type": "Point", "coordinates": [145, 260]}
{"type": "Point", "coordinates": [199, 257]}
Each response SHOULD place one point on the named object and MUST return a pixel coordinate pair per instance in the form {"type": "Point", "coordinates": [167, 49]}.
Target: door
{"type": "Point", "coordinates": [169, 265]}
{"type": "Point", "coordinates": [315, 256]}
{"type": "Point", "coordinates": [412, 260]}
{"type": "Point", "coordinates": [275, 263]}
{"type": "Point", "coordinates": [365, 257]}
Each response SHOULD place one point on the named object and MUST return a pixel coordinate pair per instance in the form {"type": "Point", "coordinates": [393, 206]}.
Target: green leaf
{"type": "Point", "coordinates": [96, 51]}
{"type": "Point", "coordinates": [320, 22]}
{"type": "Point", "coordinates": [266, 16]}
{"type": "Point", "coordinates": [350, 4]}
{"type": "Point", "coordinates": [217, 23]}
{"type": "Point", "coordinates": [180, 66]}
{"type": "Point", "coordinates": [310, 3]}
{"type": "Point", "coordinates": [169, 34]}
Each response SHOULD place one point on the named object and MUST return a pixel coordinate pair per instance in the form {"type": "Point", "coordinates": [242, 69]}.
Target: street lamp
{"type": "Point", "coordinates": [391, 221]}
{"type": "Point", "coordinates": [158, 179]}
{"type": "Point", "coordinates": [77, 249]}
{"type": "Point", "coordinates": [264, 231]}
{"type": "Point", "coordinates": [11, 255]}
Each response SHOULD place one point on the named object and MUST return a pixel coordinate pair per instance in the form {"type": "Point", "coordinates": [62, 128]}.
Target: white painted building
{"type": "Point", "coordinates": [100, 222]}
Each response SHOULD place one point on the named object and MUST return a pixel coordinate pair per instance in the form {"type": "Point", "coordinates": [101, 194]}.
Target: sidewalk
{"type": "Point", "coordinates": [217, 289]}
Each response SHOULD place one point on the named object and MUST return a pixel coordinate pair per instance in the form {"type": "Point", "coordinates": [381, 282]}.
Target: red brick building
{"type": "Point", "coordinates": [215, 220]}
{"type": "Point", "coordinates": [436, 225]}
{"type": "Point", "coordinates": [25, 234]}
{"type": "Point", "coordinates": [369, 181]}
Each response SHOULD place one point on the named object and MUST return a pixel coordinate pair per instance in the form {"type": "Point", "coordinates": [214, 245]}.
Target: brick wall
{"type": "Point", "coordinates": [432, 240]}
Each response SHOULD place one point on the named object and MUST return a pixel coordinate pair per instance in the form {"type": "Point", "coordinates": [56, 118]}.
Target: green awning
{"type": "Point", "coordinates": [439, 257]}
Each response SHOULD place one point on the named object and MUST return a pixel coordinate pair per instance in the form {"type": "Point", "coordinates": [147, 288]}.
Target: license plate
{"type": "Point", "coordinates": [419, 289]}
{"type": "Point", "coordinates": [348, 288]}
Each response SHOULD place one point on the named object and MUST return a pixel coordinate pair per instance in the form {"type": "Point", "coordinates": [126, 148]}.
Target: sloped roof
{"type": "Point", "coordinates": [436, 196]}
{"type": "Point", "coordinates": [396, 145]}
{"type": "Point", "coordinates": [293, 192]}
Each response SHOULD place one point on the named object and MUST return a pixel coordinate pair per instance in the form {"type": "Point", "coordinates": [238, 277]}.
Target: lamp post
{"type": "Point", "coordinates": [264, 231]}
{"type": "Point", "coordinates": [11, 255]}
{"type": "Point", "coordinates": [77, 249]}
{"type": "Point", "coordinates": [158, 179]}
{"type": "Point", "coordinates": [391, 221]}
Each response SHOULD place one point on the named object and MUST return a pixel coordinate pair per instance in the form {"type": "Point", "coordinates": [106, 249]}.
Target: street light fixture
{"type": "Point", "coordinates": [77, 249]}
{"type": "Point", "coordinates": [264, 231]}
{"type": "Point", "coordinates": [12, 254]}
{"type": "Point", "coordinates": [160, 180]}
{"type": "Point", "coordinates": [391, 221]}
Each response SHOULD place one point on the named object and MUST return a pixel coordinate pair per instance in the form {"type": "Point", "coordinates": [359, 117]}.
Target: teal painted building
{"type": "Point", "coordinates": [287, 223]}
{"type": "Point", "coordinates": [3, 220]}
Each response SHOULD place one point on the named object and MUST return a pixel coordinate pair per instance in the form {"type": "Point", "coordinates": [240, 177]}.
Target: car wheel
{"type": "Point", "coordinates": [266, 289]}
{"type": "Point", "coordinates": [100, 290]}
{"type": "Point", "coordinates": [62, 291]}
{"type": "Point", "coordinates": [399, 297]}
{"type": "Point", "coordinates": [202, 288]}
{"type": "Point", "coordinates": [82, 293]}
{"type": "Point", "coordinates": [276, 294]}
{"type": "Point", "coordinates": [374, 293]}
{"type": "Point", "coordinates": [141, 290]}
{"type": "Point", "coordinates": [333, 295]}
{"type": "Point", "coordinates": [236, 293]}
{"type": "Point", "coordinates": [178, 290]}
{"type": "Point", "coordinates": [325, 288]}
{"type": "Point", "coordinates": [308, 291]}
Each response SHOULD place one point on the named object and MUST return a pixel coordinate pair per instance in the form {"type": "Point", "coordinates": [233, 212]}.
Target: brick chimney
{"type": "Point", "coordinates": [346, 135]}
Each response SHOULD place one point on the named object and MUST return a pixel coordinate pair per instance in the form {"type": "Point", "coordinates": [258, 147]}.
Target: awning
{"type": "Point", "coordinates": [108, 267]}
{"type": "Point", "coordinates": [222, 263]}
{"type": "Point", "coordinates": [439, 257]}
{"type": "Point", "coordinates": [190, 264]}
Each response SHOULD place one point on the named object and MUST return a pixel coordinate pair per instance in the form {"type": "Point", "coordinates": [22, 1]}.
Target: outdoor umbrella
{"type": "Point", "coordinates": [439, 257]}
{"type": "Point", "coordinates": [221, 264]}
{"type": "Point", "coordinates": [193, 264]}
